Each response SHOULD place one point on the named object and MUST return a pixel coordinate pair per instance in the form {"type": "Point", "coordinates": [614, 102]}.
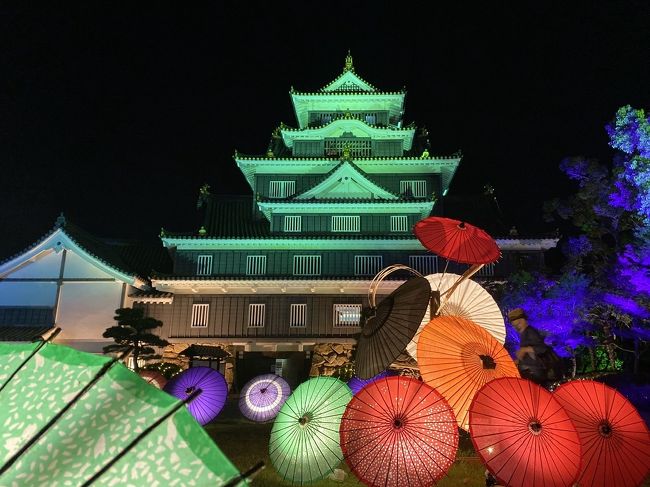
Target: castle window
{"type": "Point", "coordinates": [292, 223]}
{"type": "Point", "coordinates": [255, 265]}
{"type": "Point", "coordinates": [281, 189]}
{"type": "Point", "coordinates": [486, 271]}
{"type": "Point", "coordinates": [367, 265]}
{"type": "Point", "coordinates": [347, 315]}
{"type": "Point", "coordinates": [413, 189]}
{"type": "Point", "coordinates": [346, 223]}
{"type": "Point", "coordinates": [256, 314]}
{"type": "Point", "coordinates": [424, 264]}
{"type": "Point", "coordinates": [298, 316]}
{"type": "Point", "coordinates": [399, 223]}
{"type": "Point", "coordinates": [204, 265]}
{"type": "Point", "coordinates": [306, 265]}
{"type": "Point", "coordinates": [200, 313]}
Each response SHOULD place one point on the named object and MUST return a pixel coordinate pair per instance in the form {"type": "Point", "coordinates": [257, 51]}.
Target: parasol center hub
{"type": "Point", "coordinates": [605, 429]}
{"type": "Point", "coordinates": [488, 362]}
{"type": "Point", "coordinates": [263, 390]}
{"type": "Point", "coordinates": [398, 423]}
{"type": "Point", "coordinates": [190, 390]}
{"type": "Point", "coordinates": [535, 427]}
{"type": "Point", "coordinates": [461, 226]}
{"type": "Point", "coordinates": [304, 419]}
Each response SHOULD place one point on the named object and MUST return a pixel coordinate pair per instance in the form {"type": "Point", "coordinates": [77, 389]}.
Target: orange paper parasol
{"type": "Point", "coordinates": [614, 438]}
{"type": "Point", "coordinates": [524, 435]}
{"type": "Point", "coordinates": [457, 357]}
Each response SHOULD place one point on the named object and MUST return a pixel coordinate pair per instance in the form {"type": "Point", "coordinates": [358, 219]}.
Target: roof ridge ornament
{"type": "Point", "coordinates": [349, 66]}
{"type": "Point", "coordinates": [60, 221]}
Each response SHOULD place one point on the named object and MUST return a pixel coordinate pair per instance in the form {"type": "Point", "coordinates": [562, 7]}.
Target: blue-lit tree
{"type": "Point", "coordinates": [603, 294]}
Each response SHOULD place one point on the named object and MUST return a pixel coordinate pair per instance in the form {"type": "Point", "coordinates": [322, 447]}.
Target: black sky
{"type": "Point", "coordinates": [117, 113]}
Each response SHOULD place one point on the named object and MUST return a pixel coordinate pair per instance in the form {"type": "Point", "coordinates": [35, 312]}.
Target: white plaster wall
{"type": "Point", "coordinates": [78, 268]}
{"type": "Point", "coordinates": [87, 309]}
{"type": "Point", "coordinates": [46, 265]}
{"type": "Point", "coordinates": [27, 293]}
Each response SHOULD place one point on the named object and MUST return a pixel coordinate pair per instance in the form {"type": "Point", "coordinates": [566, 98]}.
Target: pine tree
{"type": "Point", "coordinates": [133, 329]}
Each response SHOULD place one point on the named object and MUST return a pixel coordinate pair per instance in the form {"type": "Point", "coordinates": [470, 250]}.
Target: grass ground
{"type": "Point", "coordinates": [246, 443]}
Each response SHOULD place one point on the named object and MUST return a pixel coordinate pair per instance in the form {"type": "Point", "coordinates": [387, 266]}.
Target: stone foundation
{"type": "Point", "coordinates": [328, 357]}
{"type": "Point", "coordinates": [172, 351]}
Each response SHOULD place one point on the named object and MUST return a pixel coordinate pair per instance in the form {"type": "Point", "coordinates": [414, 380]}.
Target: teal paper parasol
{"type": "Point", "coordinates": [304, 444]}
{"type": "Point", "coordinates": [72, 418]}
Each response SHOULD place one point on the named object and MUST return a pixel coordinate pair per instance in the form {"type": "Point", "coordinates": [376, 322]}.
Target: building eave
{"type": "Point", "coordinates": [406, 242]}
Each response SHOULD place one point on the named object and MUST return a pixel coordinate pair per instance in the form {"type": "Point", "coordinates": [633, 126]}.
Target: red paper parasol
{"type": "Point", "coordinates": [398, 431]}
{"type": "Point", "coordinates": [457, 357]}
{"type": "Point", "coordinates": [524, 435]}
{"type": "Point", "coordinates": [154, 378]}
{"type": "Point", "coordinates": [615, 439]}
{"type": "Point", "coordinates": [457, 241]}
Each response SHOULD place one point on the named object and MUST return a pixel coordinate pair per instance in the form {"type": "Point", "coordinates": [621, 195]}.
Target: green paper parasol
{"type": "Point", "coordinates": [305, 444]}
{"type": "Point", "coordinates": [72, 418]}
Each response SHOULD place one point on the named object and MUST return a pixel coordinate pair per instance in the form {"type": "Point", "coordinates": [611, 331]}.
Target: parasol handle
{"type": "Point", "coordinates": [444, 297]}
{"type": "Point", "coordinates": [248, 474]}
{"type": "Point", "coordinates": [381, 275]}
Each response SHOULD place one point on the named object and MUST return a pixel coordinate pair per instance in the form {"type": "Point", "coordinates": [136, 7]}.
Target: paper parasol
{"type": "Point", "coordinates": [457, 241]}
{"type": "Point", "coordinates": [81, 419]}
{"type": "Point", "coordinates": [457, 357]}
{"type": "Point", "coordinates": [214, 389]}
{"type": "Point", "coordinates": [524, 435]}
{"type": "Point", "coordinates": [262, 397]}
{"type": "Point", "coordinates": [614, 437]}
{"type": "Point", "coordinates": [398, 431]}
{"type": "Point", "coordinates": [304, 445]}
{"type": "Point", "coordinates": [391, 326]}
{"type": "Point", "coordinates": [469, 300]}
{"type": "Point", "coordinates": [154, 378]}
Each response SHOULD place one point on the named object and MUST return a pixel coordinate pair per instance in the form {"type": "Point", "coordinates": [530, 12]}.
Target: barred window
{"type": "Point", "coordinates": [347, 315]}
{"type": "Point", "coordinates": [358, 147]}
{"type": "Point", "coordinates": [415, 189]}
{"type": "Point", "coordinates": [486, 271]}
{"type": "Point", "coordinates": [399, 223]}
{"type": "Point", "coordinates": [281, 189]}
{"type": "Point", "coordinates": [292, 223]}
{"type": "Point", "coordinates": [346, 223]}
{"type": "Point", "coordinates": [204, 265]}
{"type": "Point", "coordinates": [367, 265]}
{"type": "Point", "coordinates": [298, 316]}
{"type": "Point", "coordinates": [255, 265]}
{"type": "Point", "coordinates": [424, 264]}
{"type": "Point", "coordinates": [200, 313]}
{"type": "Point", "coordinates": [256, 314]}
{"type": "Point", "coordinates": [306, 265]}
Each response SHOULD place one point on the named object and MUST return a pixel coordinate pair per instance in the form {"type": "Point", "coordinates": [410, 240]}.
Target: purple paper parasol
{"type": "Point", "coordinates": [263, 396]}
{"type": "Point", "coordinates": [356, 384]}
{"type": "Point", "coordinates": [214, 389]}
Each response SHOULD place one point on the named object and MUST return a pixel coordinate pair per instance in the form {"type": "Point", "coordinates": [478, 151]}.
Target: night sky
{"type": "Point", "coordinates": [117, 114]}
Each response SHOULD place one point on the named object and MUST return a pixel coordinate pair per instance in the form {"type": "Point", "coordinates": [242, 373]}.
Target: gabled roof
{"type": "Point", "coordinates": [128, 261]}
{"type": "Point", "coordinates": [348, 80]}
{"type": "Point", "coordinates": [340, 126]}
{"type": "Point", "coordinates": [346, 181]}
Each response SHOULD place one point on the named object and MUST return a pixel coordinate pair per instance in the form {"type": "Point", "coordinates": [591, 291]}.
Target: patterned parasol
{"type": "Point", "coordinates": [397, 432]}
{"type": "Point", "coordinates": [262, 397]}
{"type": "Point", "coordinates": [81, 419]}
{"type": "Point", "coordinates": [214, 389]}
